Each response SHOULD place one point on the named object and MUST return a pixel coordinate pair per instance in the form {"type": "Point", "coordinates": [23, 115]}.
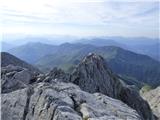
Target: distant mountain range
{"type": "Point", "coordinates": [31, 52]}
{"type": "Point", "coordinates": [142, 45]}
{"type": "Point", "coordinates": [129, 65]}
{"type": "Point", "coordinates": [147, 46]}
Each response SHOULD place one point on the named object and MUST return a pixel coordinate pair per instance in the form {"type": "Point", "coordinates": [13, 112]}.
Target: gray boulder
{"type": "Point", "coordinates": [59, 74]}
{"type": "Point", "coordinates": [62, 101]}
{"type": "Point", "coordinates": [15, 77]}
{"type": "Point", "coordinates": [54, 75]}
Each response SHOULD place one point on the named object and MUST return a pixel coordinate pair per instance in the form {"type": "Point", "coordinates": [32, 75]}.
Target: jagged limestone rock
{"type": "Point", "coordinates": [54, 75]}
{"type": "Point", "coordinates": [59, 74]}
{"type": "Point", "coordinates": [62, 101]}
{"type": "Point", "coordinates": [14, 77]}
{"type": "Point", "coordinates": [92, 75]}
{"type": "Point", "coordinates": [153, 98]}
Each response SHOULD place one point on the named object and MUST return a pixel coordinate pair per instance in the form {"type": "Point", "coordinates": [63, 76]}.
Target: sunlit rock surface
{"type": "Point", "coordinates": [153, 98]}
{"type": "Point", "coordinates": [62, 101]}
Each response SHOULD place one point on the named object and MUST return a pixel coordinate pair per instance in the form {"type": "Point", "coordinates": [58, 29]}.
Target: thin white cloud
{"type": "Point", "coordinates": [83, 16]}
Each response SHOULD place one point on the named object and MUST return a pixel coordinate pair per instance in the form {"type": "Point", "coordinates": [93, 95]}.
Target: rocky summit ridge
{"type": "Point", "coordinates": [93, 75]}
{"type": "Point", "coordinates": [91, 92]}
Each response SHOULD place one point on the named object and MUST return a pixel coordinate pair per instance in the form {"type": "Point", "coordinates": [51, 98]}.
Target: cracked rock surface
{"type": "Point", "coordinates": [62, 101]}
{"type": "Point", "coordinates": [15, 77]}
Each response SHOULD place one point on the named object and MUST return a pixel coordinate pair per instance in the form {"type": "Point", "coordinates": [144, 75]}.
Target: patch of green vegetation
{"type": "Point", "coordinates": [146, 88]}
{"type": "Point", "coordinates": [132, 81]}
{"type": "Point", "coordinates": [67, 67]}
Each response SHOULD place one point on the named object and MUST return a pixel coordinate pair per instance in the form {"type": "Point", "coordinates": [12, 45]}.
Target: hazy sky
{"type": "Point", "coordinates": [81, 17]}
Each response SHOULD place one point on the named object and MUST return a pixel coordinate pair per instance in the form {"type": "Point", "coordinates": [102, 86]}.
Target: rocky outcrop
{"type": "Point", "coordinates": [54, 75]}
{"type": "Point", "coordinates": [62, 101]}
{"type": "Point", "coordinates": [59, 74]}
{"type": "Point", "coordinates": [153, 98]}
{"type": "Point", "coordinates": [92, 75]}
{"type": "Point", "coordinates": [28, 96]}
{"type": "Point", "coordinates": [8, 59]}
{"type": "Point", "coordinates": [15, 77]}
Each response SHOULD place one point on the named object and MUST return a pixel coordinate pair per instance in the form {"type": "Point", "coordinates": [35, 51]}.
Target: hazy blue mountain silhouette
{"type": "Point", "coordinates": [129, 65]}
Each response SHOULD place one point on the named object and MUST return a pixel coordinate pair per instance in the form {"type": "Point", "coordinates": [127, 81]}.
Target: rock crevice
{"type": "Point", "coordinates": [26, 108]}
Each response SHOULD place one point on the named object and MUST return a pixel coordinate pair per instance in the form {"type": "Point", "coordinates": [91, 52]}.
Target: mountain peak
{"type": "Point", "coordinates": [93, 58]}
{"type": "Point", "coordinates": [92, 75]}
